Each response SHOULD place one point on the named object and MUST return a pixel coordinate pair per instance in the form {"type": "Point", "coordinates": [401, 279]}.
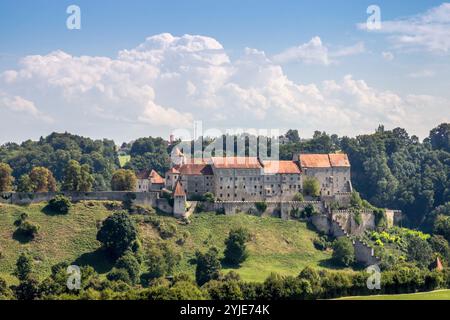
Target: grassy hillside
{"type": "Point", "coordinates": [276, 245]}
{"type": "Point", "coordinates": [284, 247]}
{"type": "Point", "coordinates": [433, 295]}
{"type": "Point", "coordinates": [61, 237]}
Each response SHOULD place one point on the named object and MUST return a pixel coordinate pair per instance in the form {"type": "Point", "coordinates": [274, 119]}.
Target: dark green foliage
{"type": "Point", "coordinates": [117, 233]}
{"type": "Point", "coordinates": [28, 289]}
{"type": "Point", "coordinates": [60, 204]}
{"type": "Point", "coordinates": [261, 206]}
{"type": "Point", "coordinates": [322, 243]}
{"type": "Point", "coordinates": [420, 252]}
{"type": "Point", "coordinates": [209, 197]}
{"type": "Point", "coordinates": [123, 180]}
{"type": "Point", "coordinates": [24, 266]}
{"type": "Point", "coordinates": [119, 275]}
{"type": "Point", "coordinates": [77, 177]}
{"type": "Point", "coordinates": [440, 137]}
{"type": "Point", "coordinates": [208, 266]}
{"type": "Point", "coordinates": [343, 251]}
{"type": "Point", "coordinates": [28, 229]}
{"type": "Point", "coordinates": [440, 245]}
{"type": "Point", "coordinates": [392, 169]}
{"type": "Point", "coordinates": [236, 251]}
{"type": "Point", "coordinates": [311, 187]}
{"type": "Point", "coordinates": [161, 259]}
{"type": "Point", "coordinates": [54, 151]}
{"type": "Point", "coordinates": [380, 218]}
{"type": "Point", "coordinates": [24, 184]}
{"type": "Point", "coordinates": [149, 154]}
{"type": "Point", "coordinates": [6, 179]}
{"type": "Point", "coordinates": [130, 264]}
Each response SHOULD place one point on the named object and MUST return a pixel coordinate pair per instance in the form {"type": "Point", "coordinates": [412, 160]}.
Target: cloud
{"type": "Point", "coordinates": [422, 74]}
{"type": "Point", "coordinates": [428, 31]}
{"type": "Point", "coordinates": [387, 55]}
{"type": "Point", "coordinates": [21, 105]}
{"type": "Point", "coordinates": [315, 52]}
{"type": "Point", "coordinates": [167, 82]}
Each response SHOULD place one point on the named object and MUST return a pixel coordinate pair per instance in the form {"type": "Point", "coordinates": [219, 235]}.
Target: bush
{"type": "Point", "coordinates": [60, 204]}
{"type": "Point", "coordinates": [321, 243]}
{"type": "Point", "coordinates": [236, 251]}
{"type": "Point", "coordinates": [311, 187]}
{"type": "Point", "coordinates": [261, 206]}
{"type": "Point", "coordinates": [298, 197]}
{"type": "Point", "coordinates": [209, 197]}
{"type": "Point", "coordinates": [28, 229]}
{"type": "Point", "coordinates": [208, 266]}
{"type": "Point", "coordinates": [119, 275]}
{"type": "Point", "coordinates": [380, 218]}
{"type": "Point", "coordinates": [343, 251]}
{"type": "Point", "coordinates": [167, 230]}
{"type": "Point", "coordinates": [117, 233]}
{"type": "Point", "coordinates": [129, 263]}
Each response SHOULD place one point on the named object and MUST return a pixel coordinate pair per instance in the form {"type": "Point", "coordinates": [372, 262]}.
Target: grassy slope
{"type": "Point", "coordinates": [276, 246]}
{"type": "Point", "coordinates": [61, 238]}
{"type": "Point", "coordinates": [433, 295]}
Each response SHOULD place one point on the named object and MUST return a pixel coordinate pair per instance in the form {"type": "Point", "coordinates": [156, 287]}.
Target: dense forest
{"type": "Point", "coordinates": [390, 168]}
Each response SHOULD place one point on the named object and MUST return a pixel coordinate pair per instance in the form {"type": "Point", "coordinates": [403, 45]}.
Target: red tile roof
{"type": "Point", "coordinates": [155, 178]}
{"type": "Point", "coordinates": [324, 160]}
{"type": "Point", "coordinates": [196, 169]}
{"type": "Point", "coordinates": [236, 163]}
{"type": "Point", "coordinates": [179, 190]}
{"type": "Point", "coordinates": [339, 160]}
{"type": "Point", "coordinates": [281, 167]}
{"type": "Point", "coordinates": [314, 161]}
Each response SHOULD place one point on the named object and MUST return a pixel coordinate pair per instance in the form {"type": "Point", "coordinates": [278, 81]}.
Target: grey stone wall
{"type": "Point", "coordinates": [282, 209]}
{"type": "Point", "coordinates": [20, 198]}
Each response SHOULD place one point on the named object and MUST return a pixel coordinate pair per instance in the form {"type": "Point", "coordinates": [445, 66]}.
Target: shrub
{"type": "Point", "coordinates": [311, 187]}
{"type": "Point", "coordinates": [208, 266]}
{"type": "Point", "coordinates": [236, 251]}
{"type": "Point", "coordinates": [60, 204]}
{"type": "Point", "coordinates": [298, 197]}
{"type": "Point", "coordinates": [24, 266]}
{"type": "Point", "coordinates": [129, 263]}
{"type": "Point", "coordinates": [119, 275]}
{"type": "Point", "coordinates": [343, 251]}
{"type": "Point", "coordinates": [380, 218]}
{"type": "Point", "coordinates": [209, 197]}
{"type": "Point", "coordinates": [321, 243]}
{"type": "Point", "coordinates": [167, 230]}
{"type": "Point", "coordinates": [117, 233]}
{"type": "Point", "coordinates": [28, 229]}
{"type": "Point", "coordinates": [261, 206]}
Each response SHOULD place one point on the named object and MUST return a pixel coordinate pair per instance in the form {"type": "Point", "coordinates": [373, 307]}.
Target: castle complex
{"type": "Point", "coordinates": [253, 179]}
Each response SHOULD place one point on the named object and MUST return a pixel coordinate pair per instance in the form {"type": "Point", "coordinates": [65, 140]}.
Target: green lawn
{"type": "Point", "coordinates": [123, 160]}
{"type": "Point", "coordinates": [433, 295]}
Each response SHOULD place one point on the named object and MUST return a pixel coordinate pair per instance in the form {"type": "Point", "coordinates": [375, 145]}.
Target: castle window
{"type": "Point", "coordinates": [221, 195]}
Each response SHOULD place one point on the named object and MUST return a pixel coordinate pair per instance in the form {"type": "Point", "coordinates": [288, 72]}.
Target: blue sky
{"type": "Point", "coordinates": [384, 65]}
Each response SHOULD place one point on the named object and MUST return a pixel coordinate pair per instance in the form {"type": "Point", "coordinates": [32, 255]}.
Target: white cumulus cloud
{"type": "Point", "coordinates": [167, 82]}
{"type": "Point", "coordinates": [428, 31]}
